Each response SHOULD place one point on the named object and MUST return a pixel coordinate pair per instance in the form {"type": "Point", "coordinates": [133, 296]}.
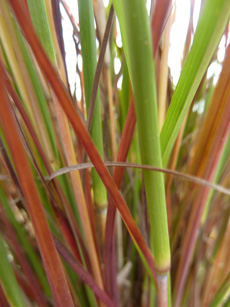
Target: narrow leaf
{"type": "Point", "coordinates": [212, 22]}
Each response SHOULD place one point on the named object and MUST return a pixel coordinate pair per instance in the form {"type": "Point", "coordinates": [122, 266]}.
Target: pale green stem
{"type": "Point", "coordinates": [135, 30]}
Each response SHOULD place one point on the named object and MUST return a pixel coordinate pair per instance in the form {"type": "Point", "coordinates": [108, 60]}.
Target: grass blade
{"type": "Point", "coordinates": [212, 23]}
{"type": "Point", "coordinates": [89, 54]}
{"type": "Point", "coordinates": [135, 30]}
{"type": "Point", "coordinates": [138, 50]}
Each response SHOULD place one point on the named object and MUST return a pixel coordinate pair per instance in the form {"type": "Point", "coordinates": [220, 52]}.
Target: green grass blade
{"type": "Point", "coordinates": [39, 18]}
{"type": "Point", "coordinates": [8, 280]}
{"type": "Point", "coordinates": [89, 54]}
{"type": "Point", "coordinates": [135, 30]}
{"type": "Point", "coordinates": [212, 22]}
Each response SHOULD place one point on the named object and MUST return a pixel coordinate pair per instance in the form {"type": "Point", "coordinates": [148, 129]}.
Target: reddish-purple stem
{"type": "Point", "coordinates": [110, 259]}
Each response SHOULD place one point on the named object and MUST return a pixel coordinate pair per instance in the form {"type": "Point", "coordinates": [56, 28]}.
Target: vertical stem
{"type": "Point", "coordinates": [137, 44]}
{"type": "Point", "coordinates": [89, 55]}
{"type": "Point", "coordinates": [162, 286]}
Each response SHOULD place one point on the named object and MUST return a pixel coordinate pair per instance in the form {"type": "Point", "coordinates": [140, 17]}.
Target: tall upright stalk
{"type": "Point", "coordinates": [135, 30]}
{"type": "Point", "coordinates": [89, 54]}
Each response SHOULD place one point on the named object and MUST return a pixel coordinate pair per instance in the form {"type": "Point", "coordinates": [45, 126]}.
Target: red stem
{"type": "Point", "coordinates": [159, 18]}
{"type": "Point", "coordinates": [109, 257]}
